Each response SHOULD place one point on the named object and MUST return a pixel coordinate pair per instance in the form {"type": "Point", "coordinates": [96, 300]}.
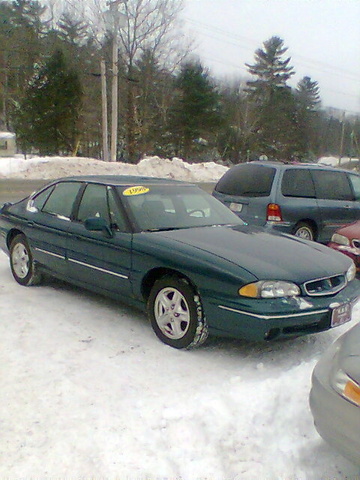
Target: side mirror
{"type": "Point", "coordinates": [4, 207]}
{"type": "Point", "coordinates": [98, 224]}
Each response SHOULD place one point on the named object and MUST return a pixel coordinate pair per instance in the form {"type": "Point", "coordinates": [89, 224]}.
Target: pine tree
{"type": "Point", "coordinates": [150, 101]}
{"type": "Point", "coordinates": [308, 102]}
{"type": "Point", "coordinates": [47, 118]}
{"type": "Point", "coordinates": [278, 135]}
{"type": "Point", "coordinates": [73, 31]}
{"type": "Point", "coordinates": [196, 112]}
{"type": "Point", "coordinates": [271, 71]}
{"type": "Point", "coordinates": [308, 94]}
{"type": "Point", "coordinates": [20, 30]}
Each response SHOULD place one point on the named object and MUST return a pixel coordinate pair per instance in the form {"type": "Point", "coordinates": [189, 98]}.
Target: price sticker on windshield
{"type": "Point", "coordinates": [137, 190]}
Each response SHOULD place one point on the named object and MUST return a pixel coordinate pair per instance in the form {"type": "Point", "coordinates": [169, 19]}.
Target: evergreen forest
{"type": "Point", "coordinates": [62, 64]}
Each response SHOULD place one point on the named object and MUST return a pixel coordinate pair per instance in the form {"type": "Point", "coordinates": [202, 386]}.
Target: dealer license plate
{"type": "Point", "coordinates": [341, 314]}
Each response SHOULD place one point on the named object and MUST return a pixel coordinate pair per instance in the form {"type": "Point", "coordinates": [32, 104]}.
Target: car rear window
{"type": "Point", "coordinates": [247, 180]}
{"type": "Point", "coordinates": [297, 182]}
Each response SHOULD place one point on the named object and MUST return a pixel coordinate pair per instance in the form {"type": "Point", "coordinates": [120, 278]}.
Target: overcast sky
{"type": "Point", "coordinates": [322, 36]}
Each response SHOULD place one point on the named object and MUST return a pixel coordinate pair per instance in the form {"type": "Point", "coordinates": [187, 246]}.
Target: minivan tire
{"type": "Point", "coordinates": [304, 230]}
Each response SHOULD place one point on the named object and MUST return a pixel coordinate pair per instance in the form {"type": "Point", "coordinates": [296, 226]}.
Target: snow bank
{"type": "Point", "coordinates": [336, 161]}
{"type": "Point", "coordinates": [48, 168]}
{"type": "Point", "coordinates": [55, 167]}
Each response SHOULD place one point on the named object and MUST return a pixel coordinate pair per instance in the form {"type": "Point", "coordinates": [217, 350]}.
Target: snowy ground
{"type": "Point", "coordinates": [87, 391]}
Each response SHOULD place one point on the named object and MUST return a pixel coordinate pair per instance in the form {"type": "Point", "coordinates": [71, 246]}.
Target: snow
{"type": "Point", "coordinates": [6, 135]}
{"type": "Point", "coordinates": [88, 391]}
{"type": "Point", "coordinates": [338, 162]}
{"type": "Point", "coordinates": [54, 167]}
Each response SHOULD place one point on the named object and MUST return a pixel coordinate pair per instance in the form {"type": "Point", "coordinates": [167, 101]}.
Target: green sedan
{"type": "Point", "coordinates": [175, 251]}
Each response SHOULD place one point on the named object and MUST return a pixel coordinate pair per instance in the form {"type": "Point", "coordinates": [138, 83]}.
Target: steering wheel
{"type": "Point", "coordinates": [196, 210]}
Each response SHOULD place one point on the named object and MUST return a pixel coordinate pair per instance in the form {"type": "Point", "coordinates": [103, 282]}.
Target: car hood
{"type": "Point", "coordinates": [350, 231]}
{"type": "Point", "coordinates": [265, 255]}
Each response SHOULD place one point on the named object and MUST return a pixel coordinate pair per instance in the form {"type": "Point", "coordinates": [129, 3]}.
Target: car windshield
{"type": "Point", "coordinates": [168, 207]}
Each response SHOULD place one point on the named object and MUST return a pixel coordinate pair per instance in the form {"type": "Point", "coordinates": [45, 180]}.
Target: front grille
{"type": "Point", "coordinates": [325, 286]}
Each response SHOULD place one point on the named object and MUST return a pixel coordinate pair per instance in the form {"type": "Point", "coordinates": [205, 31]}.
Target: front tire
{"type": "Point", "coordinates": [22, 264]}
{"type": "Point", "coordinates": [176, 314]}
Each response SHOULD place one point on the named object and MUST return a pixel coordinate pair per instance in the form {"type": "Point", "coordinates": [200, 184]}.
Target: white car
{"type": "Point", "coordinates": [335, 395]}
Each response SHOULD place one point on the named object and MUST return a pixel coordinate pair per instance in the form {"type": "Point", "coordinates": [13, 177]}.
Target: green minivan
{"type": "Point", "coordinates": [307, 200]}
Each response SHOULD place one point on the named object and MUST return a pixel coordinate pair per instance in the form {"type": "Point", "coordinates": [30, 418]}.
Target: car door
{"type": "Point", "coordinates": [335, 200]}
{"type": "Point", "coordinates": [100, 259]}
{"type": "Point", "coordinates": [49, 214]}
{"type": "Point", "coordinates": [297, 197]}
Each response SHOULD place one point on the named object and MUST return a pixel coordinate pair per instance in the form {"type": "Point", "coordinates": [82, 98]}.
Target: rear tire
{"type": "Point", "coordinates": [22, 265]}
{"type": "Point", "coordinates": [304, 230]}
{"type": "Point", "coordinates": [176, 314]}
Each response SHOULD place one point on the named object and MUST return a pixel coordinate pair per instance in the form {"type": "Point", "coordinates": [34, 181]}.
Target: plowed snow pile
{"type": "Point", "coordinates": [55, 167]}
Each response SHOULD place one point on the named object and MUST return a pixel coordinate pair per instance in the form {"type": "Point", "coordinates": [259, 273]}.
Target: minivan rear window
{"type": "Point", "coordinates": [247, 180]}
{"type": "Point", "coordinates": [297, 182]}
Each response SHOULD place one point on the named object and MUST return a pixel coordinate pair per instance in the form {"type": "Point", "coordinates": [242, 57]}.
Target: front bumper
{"type": "Point", "coordinates": [336, 419]}
{"type": "Point", "coordinates": [260, 319]}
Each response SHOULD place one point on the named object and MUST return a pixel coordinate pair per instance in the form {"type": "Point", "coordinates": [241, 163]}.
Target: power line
{"type": "Point", "coordinates": [239, 43]}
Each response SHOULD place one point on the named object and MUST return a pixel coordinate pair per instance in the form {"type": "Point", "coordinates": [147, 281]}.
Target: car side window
{"type": "Point", "coordinates": [94, 203]}
{"type": "Point", "coordinates": [39, 201]}
{"type": "Point", "coordinates": [332, 185]}
{"type": "Point", "coordinates": [61, 200]}
{"type": "Point", "coordinates": [355, 182]}
{"type": "Point", "coordinates": [116, 216]}
{"type": "Point", "coordinates": [297, 182]}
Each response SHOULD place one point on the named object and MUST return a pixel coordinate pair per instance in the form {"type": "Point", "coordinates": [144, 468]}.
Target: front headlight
{"type": "Point", "coordinates": [269, 289]}
{"type": "Point", "coordinates": [351, 273]}
{"type": "Point", "coordinates": [347, 388]}
{"type": "Point", "coordinates": [340, 239]}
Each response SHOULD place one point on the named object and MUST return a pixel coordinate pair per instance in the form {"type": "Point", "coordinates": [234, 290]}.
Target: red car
{"type": "Point", "coordinates": [347, 240]}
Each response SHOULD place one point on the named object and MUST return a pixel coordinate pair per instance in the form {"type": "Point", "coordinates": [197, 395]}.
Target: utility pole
{"type": "Point", "coordinates": [114, 99]}
{"type": "Point", "coordinates": [104, 112]}
{"type": "Point", "coordinates": [115, 20]}
{"type": "Point", "coordinates": [342, 137]}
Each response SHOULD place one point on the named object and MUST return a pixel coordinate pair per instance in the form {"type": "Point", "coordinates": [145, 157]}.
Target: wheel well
{"type": "Point", "coordinates": [11, 235]}
{"type": "Point", "coordinates": [311, 223]}
{"type": "Point", "coordinates": [157, 273]}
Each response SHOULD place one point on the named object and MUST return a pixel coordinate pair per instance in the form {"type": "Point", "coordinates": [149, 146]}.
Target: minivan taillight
{"type": "Point", "coordinates": [273, 213]}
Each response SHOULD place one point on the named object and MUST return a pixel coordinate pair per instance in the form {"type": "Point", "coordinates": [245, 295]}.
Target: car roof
{"type": "Point", "coordinates": [122, 180]}
{"type": "Point", "coordinates": [286, 166]}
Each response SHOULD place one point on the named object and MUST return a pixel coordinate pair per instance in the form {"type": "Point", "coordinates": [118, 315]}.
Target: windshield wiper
{"type": "Point", "coordinates": [163, 229]}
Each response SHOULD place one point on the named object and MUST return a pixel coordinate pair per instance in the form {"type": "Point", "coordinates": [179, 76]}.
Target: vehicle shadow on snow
{"type": "Point", "coordinates": [292, 351]}
{"type": "Point", "coordinates": [296, 349]}
{"type": "Point", "coordinates": [116, 308]}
